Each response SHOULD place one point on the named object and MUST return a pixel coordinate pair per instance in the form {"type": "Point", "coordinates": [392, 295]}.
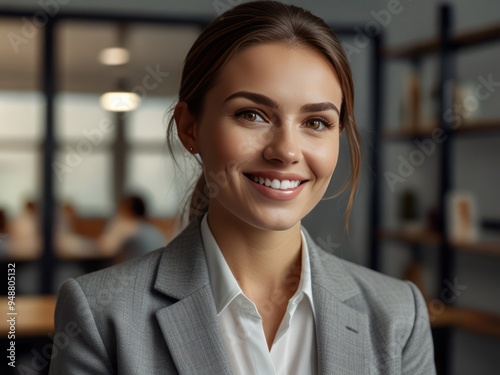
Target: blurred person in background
{"type": "Point", "coordinates": [129, 234]}
{"type": "Point", "coordinates": [69, 243]}
{"type": "Point", "coordinates": [24, 234]}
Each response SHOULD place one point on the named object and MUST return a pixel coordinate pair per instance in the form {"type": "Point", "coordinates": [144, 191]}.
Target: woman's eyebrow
{"type": "Point", "coordinates": [319, 107]}
{"type": "Point", "coordinates": [254, 97]}
{"type": "Point", "coordinates": [267, 101]}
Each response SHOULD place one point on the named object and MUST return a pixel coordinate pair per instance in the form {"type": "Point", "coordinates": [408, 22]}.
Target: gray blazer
{"type": "Point", "coordinates": [156, 315]}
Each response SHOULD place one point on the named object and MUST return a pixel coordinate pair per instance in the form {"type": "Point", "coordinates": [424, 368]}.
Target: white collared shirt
{"type": "Point", "coordinates": [294, 348]}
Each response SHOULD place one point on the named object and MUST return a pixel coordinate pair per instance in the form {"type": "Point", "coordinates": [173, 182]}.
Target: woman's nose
{"type": "Point", "coordinates": [283, 146]}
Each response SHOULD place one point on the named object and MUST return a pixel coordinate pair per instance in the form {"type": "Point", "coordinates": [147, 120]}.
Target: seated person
{"type": "Point", "coordinates": [68, 242]}
{"type": "Point", "coordinates": [25, 241]}
{"type": "Point", "coordinates": [129, 234]}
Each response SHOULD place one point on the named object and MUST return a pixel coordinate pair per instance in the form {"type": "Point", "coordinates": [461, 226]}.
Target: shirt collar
{"type": "Point", "coordinates": [225, 288]}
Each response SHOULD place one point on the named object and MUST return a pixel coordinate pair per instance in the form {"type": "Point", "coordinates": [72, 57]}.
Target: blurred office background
{"type": "Point", "coordinates": [98, 175]}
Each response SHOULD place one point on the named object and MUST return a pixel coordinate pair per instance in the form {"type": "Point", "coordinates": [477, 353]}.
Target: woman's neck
{"type": "Point", "coordinates": [262, 261]}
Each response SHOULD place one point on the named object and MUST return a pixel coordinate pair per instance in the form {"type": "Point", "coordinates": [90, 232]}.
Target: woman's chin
{"type": "Point", "coordinates": [276, 223]}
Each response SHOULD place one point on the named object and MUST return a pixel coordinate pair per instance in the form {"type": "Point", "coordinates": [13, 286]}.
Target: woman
{"type": "Point", "coordinates": [266, 92]}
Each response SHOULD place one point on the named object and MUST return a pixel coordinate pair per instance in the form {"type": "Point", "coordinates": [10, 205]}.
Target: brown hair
{"type": "Point", "coordinates": [251, 24]}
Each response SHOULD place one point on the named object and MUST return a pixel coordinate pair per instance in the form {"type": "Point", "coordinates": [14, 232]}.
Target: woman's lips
{"type": "Point", "coordinates": [281, 184]}
{"type": "Point", "coordinates": [287, 189]}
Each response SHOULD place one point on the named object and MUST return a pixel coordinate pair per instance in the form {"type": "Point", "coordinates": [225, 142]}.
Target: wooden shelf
{"type": "Point", "coordinates": [472, 320]}
{"type": "Point", "coordinates": [461, 40]}
{"type": "Point", "coordinates": [408, 134]}
{"type": "Point", "coordinates": [483, 247]}
{"type": "Point", "coordinates": [426, 237]}
{"type": "Point", "coordinates": [423, 237]}
{"type": "Point", "coordinates": [480, 126]}
{"type": "Point", "coordinates": [467, 319]}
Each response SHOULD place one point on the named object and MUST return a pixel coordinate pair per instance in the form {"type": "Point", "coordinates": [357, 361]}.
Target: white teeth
{"type": "Point", "coordinates": [285, 185]}
{"type": "Point", "coordinates": [276, 184]}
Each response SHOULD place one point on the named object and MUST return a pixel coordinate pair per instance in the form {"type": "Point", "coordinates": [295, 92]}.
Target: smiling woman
{"type": "Point", "coordinates": [265, 96]}
{"type": "Point", "coordinates": [270, 123]}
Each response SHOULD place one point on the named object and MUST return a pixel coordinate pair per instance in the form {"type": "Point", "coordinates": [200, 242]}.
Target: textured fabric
{"type": "Point", "coordinates": [294, 347]}
{"type": "Point", "coordinates": [156, 315]}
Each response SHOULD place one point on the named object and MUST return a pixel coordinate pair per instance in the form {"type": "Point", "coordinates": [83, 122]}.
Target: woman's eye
{"type": "Point", "coordinates": [317, 124]}
{"type": "Point", "coordinates": [250, 116]}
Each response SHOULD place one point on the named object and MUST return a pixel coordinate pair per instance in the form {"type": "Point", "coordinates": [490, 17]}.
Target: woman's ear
{"type": "Point", "coordinates": [186, 122]}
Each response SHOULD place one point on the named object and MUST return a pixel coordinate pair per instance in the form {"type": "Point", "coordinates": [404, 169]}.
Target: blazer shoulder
{"type": "Point", "coordinates": [375, 282]}
{"type": "Point", "coordinates": [131, 273]}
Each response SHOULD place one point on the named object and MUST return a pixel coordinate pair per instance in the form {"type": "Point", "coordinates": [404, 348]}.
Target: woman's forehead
{"type": "Point", "coordinates": [281, 71]}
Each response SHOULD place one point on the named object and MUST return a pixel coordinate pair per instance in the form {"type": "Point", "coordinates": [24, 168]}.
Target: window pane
{"type": "Point", "coordinates": [149, 121]}
{"type": "Point", "coordinates": [22, 127]}
{"type": "Point", "coordinates": [80, 116]}
{"type": "Point", "coordinates": [159, 181]}
{"type": "Point", "coordinates": [19, 179]}
{"type": "Point", "coordinates": [21, 116]}
{"type": "Point", "coordinates": [85, 182]}
{"type": "Point", "coordinates": [20, 55]}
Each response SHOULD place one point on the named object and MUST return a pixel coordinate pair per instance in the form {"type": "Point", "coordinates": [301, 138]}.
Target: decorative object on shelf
{"type": "Point", "coordinates": [467, 104]}
{"type": "Point", "coordinates": [434, 216]}
{"type": "Point", "coordinates": [461, 217]}
{"type": "Point", "coordinates": [408, 214]}
{"type": "Point", "coordinates": [428, 107]}
{"type": "Point", "coordinates": [410, 104]}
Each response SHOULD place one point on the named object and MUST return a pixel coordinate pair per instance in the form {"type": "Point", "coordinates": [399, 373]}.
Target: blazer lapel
{"type": "Point", "coordinates": [342, 332]}
{"type": "Point", "coordinates": [190, 326]}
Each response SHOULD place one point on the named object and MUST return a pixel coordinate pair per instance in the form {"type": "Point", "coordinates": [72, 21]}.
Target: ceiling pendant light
{"type": "Point", "coordinates": [120, 101]}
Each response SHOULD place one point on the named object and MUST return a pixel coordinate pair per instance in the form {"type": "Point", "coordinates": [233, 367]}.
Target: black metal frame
{"type": "Point", "coordinates": [378, 100]}
{"type": "Point", "coordinates": [443, 337]}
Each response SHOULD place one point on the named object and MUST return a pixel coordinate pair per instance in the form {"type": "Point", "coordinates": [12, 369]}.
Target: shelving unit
{"type": "Point", "coordinates": [432, 238]}
{"type": "Point", "coordinates": [474, 127]}
{"type": "Point", "coordinates": [474, 38]}
{"type": "Point", "coordinates": [445, 47]}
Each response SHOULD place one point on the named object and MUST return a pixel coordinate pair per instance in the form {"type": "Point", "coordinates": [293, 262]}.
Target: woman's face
{"type": "Point", "coordinates": [271, 119]}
